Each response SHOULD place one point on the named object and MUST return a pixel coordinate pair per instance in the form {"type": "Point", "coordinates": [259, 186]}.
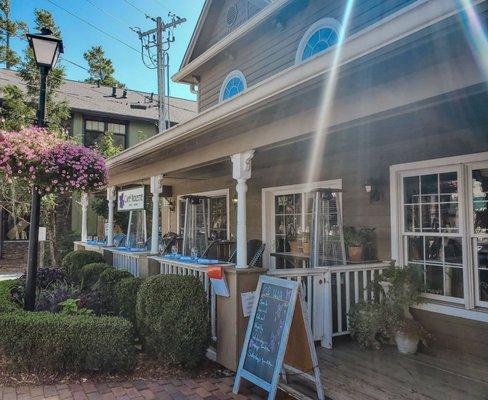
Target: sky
{"type": "Point", "coordinates": [114, 17]}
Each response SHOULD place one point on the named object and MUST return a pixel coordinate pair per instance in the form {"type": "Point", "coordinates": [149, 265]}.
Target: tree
{"type": "Point", "coordinates": [9, 29]}
{"type": "Point", "coordinates": [100, 67]}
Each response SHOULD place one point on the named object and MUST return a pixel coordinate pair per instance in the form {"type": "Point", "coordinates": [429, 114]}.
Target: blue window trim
{"type": "Point", "coordinates": [324, 23]}
{"type": "Point", "coordinates": [237, 82]}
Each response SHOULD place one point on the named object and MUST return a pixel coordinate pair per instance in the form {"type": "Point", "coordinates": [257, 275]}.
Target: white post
{"type": "Point", "coordinates": [241, 172]}
{"type": "Point", "coordinates": [156, 190]}
{"type": "Point", "coordinates": [84, 217]}
{"type": "Point", "coordinates": [111, 199]}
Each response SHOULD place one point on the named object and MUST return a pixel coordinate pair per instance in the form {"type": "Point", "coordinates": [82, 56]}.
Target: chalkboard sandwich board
{"type": "Point", "coordinates": [276, 321]}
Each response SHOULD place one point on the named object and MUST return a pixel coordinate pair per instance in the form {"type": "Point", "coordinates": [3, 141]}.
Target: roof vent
{"type": "Point", "coordinates": [114, 91]}
{"type": "Point", "coordinates": [124, 94]}
{"type": "Point", "coordinates": [232, 12]}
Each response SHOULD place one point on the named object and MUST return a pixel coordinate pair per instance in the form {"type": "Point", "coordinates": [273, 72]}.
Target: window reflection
{"type": "Point", "coordinates": [480, 200]}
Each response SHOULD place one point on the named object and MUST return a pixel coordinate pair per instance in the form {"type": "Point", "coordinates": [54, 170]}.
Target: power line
{"type": "Point", "coordinates": [118, 19]}
{"type": "Point", "coordinates": [94, 26]}
{"type": "Point", "coordinates": [139, 9]}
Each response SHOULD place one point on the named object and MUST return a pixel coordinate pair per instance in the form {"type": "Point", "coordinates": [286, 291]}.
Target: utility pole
{"type": "Point", "coordinates": [155, 38]}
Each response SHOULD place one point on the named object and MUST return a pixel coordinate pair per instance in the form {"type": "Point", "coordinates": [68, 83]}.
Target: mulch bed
{"type": "Point", "coordinates": [146, 369]}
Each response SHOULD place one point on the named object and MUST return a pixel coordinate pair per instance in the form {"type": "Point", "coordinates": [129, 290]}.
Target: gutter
{"type": "Point", "coordinates": [397, 26]}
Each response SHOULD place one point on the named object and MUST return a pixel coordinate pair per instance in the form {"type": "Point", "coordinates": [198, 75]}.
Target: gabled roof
{"type": "Point", "coordinates": [200, 23]}
{"type": "Point", "coordinates": [89, 98]}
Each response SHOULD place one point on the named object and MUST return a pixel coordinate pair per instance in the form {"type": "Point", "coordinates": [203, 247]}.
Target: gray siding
{"type": "Point", "coordinates": [272, 49]}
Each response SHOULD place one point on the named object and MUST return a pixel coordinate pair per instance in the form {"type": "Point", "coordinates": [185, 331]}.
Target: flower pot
{"type": "Point", "coordinates": [294, 248]}
{"type": "Point", "coordinates": [406, 344]}
{"type": "Point", "coordinates": [355, 253]}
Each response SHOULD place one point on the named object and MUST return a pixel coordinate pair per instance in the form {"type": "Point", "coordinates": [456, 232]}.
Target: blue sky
{"type": "Point", "coordinates": [78, 36]}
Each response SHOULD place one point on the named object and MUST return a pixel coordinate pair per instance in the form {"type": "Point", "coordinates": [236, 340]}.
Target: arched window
{"type": "Point", "coordinates": [233, 84]}
{"type": "Point", "coordinates": [322, 35]}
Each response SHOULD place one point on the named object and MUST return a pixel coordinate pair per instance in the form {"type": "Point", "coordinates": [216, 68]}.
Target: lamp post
{"type": "Point", "coordinates": [46, 49]}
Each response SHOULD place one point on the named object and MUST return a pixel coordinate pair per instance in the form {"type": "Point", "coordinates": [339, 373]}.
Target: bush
{"type": "Point", "coordinates": [106, 287]}
{"type": "Point", "coordinates": [6, 302]}
{"type": "Point", "coordinates": [50, 298]}
{"type": "Point", "coordinates": [172, 316]}
{"type": "Point", "coordinates": [46, 277]}
{"type": "Point", "coordinates": [126, 298]}
{"type": "Point", "coordinates": [90, 274]}
{"type": "Point", "coordinates": [74, 261]}
{"type": "Point", "coordinates": [368, 325]}
{"type": "Point", "coordinates": [41, 341]}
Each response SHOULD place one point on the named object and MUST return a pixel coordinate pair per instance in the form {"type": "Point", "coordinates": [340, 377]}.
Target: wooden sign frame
{"type": "Point", "coordinates": [289, 359]}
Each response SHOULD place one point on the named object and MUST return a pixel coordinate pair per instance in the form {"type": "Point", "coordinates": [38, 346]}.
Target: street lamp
{"type": "Point", "coordinates": [46, 49]}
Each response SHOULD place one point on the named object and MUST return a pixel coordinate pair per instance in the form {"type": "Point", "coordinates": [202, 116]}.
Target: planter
{"type": "Point", "coordinates": [294, 248]}
{"type": "Point", "coordinates": [355, 253]}
{"type": "Point", "coordinates": [406, 344]}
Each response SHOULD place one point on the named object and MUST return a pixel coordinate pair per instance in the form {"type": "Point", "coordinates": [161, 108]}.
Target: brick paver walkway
{"type": "Point", "coordinates": [165, 389]}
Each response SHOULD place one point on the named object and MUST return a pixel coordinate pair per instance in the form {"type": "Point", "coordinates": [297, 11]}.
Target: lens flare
{"type": "Point", "coordinates": [476, 34]}
{"type": "Point", "coordinates": [323, 121]}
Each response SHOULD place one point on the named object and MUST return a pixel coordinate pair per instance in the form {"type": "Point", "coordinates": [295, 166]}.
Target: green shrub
{"type": "Point", "coordinates": [172, 316]}
{"type": "Point", "coordinates": [6, 302]}
{"type": "Point", "coordinates": [90, 274]}
{"type": "Point", "coordinates": [73, 263]}
{"type": "Point", "coordinates": [368, 325]}
{"type": "Point", "coordinates": [126, 297]}
{"type": "Point", "coordinates": [106, 287]}
{"type": "Point", "coordinates": [42, 341]}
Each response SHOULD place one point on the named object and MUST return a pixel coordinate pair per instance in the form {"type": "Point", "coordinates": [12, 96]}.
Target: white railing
{"type": "Point", "coordinates": [127, 262]}
{"type": "Point", "coordinates": [329, 293]}
{"type": "Point", "coordinates": [172, 267]}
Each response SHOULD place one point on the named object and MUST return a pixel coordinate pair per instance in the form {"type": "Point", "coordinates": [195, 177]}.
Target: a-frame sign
{"type": "Point", "coordinates": [278, 340]}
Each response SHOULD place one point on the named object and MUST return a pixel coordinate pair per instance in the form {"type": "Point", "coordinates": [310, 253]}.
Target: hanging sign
{"type": "Point", "coordinates": [130, 199]}
{"type": "Point", "coordinates": [218, 281]}
{"type": "Point", "coordinates": [278, 340]}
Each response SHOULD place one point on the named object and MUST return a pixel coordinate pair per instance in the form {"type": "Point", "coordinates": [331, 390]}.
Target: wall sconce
{"type": "Point", "coordinates": [372, 187]}
{"type": "Point", "coordinates": [234, 200]}
{"type": "Point", "coordinates": [170, 203]}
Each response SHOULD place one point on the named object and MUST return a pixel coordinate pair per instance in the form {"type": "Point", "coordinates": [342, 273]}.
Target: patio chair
{"type": "Point", "coordinates": [119, 240]}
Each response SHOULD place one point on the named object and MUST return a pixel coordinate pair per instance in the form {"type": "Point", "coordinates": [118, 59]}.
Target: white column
{"type": "Point", "coordinates": [156, 190]}
{"type": "Point", "coordinates": [84, 216]}
{"type": "Point", "coordinates": [241, 172]}
{"type": "Point", "coordinates": [111, 205]}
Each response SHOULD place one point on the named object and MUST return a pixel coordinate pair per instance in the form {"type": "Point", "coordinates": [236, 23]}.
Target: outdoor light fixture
{"type": "Point", "coordinates": [372, 187]}
{"type": "Point", "coordinates": [46, 48]}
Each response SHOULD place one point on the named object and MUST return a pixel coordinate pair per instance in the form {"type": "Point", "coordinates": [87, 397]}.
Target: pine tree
{"type": "Point", "coordinates": [8, 30]}
{"type": "Point", "coordinates": [100, 67]}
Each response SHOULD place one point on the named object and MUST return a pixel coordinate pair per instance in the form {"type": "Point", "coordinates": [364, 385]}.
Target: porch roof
{"type": "Point", "coordinates": [294, 114]}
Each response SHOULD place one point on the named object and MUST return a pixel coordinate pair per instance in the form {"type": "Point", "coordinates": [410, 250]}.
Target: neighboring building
{"type": "Point", "coordinates": [131, 116]}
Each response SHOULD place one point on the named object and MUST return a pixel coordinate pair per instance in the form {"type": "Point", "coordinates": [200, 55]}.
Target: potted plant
{"type": "Point", "coordinates": [354, 244]}
{"type": "Point", "coordinates": [291, 237]}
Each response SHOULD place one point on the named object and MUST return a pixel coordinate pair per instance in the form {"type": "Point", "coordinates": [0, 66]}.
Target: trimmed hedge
{"type": "Point", "coordinates": [106, 286]}
{"type": "Point", "coordinates": [172, 316]}
{"type": "Point", "coordinates": [42, 341]}
{"type": "Point", "coordinates": [90, 274]}
{"type": "Point", "coordinates": [126, 298]}
{"type": "Point", "coordinates": [74, 261]}
{"type": "Point", "coordinates": [6, 303]}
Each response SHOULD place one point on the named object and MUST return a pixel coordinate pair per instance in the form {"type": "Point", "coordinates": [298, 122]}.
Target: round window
{"type": "Point", "coordinates": [232, 15]}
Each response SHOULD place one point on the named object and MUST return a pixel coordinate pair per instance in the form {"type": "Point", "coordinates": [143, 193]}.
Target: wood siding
{"type": "Point", "coordinates": [272, 49]}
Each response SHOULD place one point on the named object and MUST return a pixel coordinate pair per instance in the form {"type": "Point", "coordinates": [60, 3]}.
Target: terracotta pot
{"type": "Point", "coordinates": [306, 248]}
{"type": "Point", "coordinates": [355, 253]}
{"type": "Point", "coordinates": [406, 344]}
{"type": "Point", "coordinates": [294, 248]}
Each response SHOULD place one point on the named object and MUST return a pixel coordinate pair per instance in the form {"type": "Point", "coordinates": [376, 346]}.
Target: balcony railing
{"type": "Point", "coordinates": [127, 261]}
{"type": "Point", "coordinates": [329, 293]}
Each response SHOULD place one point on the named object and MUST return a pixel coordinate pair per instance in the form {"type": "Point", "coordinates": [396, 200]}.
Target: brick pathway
{"type": "Point", "coordinates": [164, 389]}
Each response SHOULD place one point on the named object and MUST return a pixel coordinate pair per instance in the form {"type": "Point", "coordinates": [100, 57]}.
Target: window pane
{"type": "Point", "coordinates": [454, 282]}
{"type": "Point", "coordinates": [95, 126]}
{"type": "Point", "coordinates": [119, 140]}
{"type": "Point", "coordinates": [433, 249]}
{"type": "Point", "coordinates": [92, 138]}
{"type": "Point", "coordinates": [415, 248]}
{"type": "Point", "coordinates": [430, 217]}
{"type": "Point", "coordinates": [453, 251]}
{"type": "Point", "coordinates": [412, 218]}
{"type": "Point", "coordinates": [434, 279]}
{"type": "Point", "coordinates": [448, 186]}
{"type": "Point", "coordinates": [411, 189]}
{"type": "Point", "coordinates": [480, 200]}
{"type": "Point", "coordinates": [429, 188]}
{"type": "Point", "coordinates": [116, 128]}
{"type": "Point", "coordinates": [482, 254]}
{"type": "Point", "coordinates": [449, 217]}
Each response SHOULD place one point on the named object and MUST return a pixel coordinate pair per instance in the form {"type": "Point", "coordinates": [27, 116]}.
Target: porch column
{"type": "Point", "coordinates": [241, 172]}
{"type": "Point", "coordinates": [156, 190]}
{"type": "Point", "coordinates": [111, 204]}
{"type": "Point", "coordinates": [84, 216]}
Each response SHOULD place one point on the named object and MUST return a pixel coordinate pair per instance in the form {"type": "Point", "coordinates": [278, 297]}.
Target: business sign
{"type": "Point", "coordinates": [130, 199]}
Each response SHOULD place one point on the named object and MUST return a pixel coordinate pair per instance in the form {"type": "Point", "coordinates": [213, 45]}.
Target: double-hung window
{"type": "Point", "coordinates": [95, 129]}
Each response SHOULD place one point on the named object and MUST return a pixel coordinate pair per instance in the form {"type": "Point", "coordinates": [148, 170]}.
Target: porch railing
{"type": "Point", "coordinates": [127, 262]}
{"type": "Point", "coordinates": [329, 293]}
{"type": "Point", "coordinates": [171, 267]}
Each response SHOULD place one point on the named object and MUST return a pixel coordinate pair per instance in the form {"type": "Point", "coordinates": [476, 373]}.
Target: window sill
{"type": "Point", "coordinates": [454, 310]}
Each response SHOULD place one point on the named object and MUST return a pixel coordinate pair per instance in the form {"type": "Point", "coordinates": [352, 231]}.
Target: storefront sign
{"type": "Point", "coordinates": [130, 199]}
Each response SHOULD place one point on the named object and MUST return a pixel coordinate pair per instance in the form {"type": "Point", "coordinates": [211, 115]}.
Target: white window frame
{"type": "Point", "coordinates": [465, 164]}
{"type": "Point", "coordinates": [268, 211]}
{"type": "Point", "coordinates": [211, 193]}
{"type": "Point", "coordinates": [320, 24]}
{"type": "Point", "coordinates": [234, 74]}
